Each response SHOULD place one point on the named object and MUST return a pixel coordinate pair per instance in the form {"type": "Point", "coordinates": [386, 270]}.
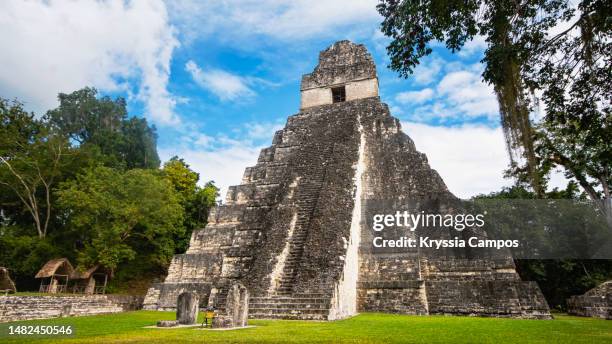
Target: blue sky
{"type": "Point", "coordinates": [218, 78]}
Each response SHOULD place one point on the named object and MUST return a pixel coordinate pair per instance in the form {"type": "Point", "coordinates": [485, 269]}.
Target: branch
{"type": "Point", "coordinates": [32, 206]}
{"type": "Point", "coordinates": [560, 159]}
{"type": "Point", "coordinates": [564, 32]}
{"type": "Point", "coordinates": [20, 197]}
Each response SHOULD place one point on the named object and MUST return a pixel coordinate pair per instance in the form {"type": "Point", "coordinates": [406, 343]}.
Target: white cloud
{"type": "Point", "coordinates": [259, 131]}
{"type": "Point", "coordinates": [428, 70]}
{"type": "Point", "coordinates": [460, 94]}
{"type": "Point", "coordinates": [224, 85]}
{"type": "Point", "coordinates": [415, 97]}
{"type": "Point", "coordinates": [476, 45]}
{"type": "Point", "coordinates": [61, 46]}
{"type": "Point", "coordinates": [470, 159]}
{"type": "Point", "coordinates": [284, 20]}
{"type": "Point", "coordinates": [465, 91]}
{"type": "Point", "coordinates": [225, 166]}
{"type": "Point", "coordinates": [222, 158]}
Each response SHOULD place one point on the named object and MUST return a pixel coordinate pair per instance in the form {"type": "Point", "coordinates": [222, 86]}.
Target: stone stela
{"type": "Point", "coordinates": [293, 232]}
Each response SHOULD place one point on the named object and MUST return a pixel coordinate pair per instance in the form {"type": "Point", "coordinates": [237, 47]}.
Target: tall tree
{"type": "Point", "coordinates": [32, 159]}
{"type": "Point", "coordinates": [139, 145]}
{"type": "Point", "coordinates": [528, 57]}
{"type": "Point", "coordinates": [196, 200]}
{"type": "Point", "coordinates": [115, 214]}
{"type": "Point", "coordinates": [89, 120]}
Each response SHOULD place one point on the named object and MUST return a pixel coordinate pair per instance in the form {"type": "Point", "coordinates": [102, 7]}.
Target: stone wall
{"type": "Point", "coordinates": [404, 297]}
{"type": "Point", "coordinates": [596, 302]}
{"type": "Point", "coordinates": [354, 90]}
{"type": "Point", "coordinates": [342, 62]}
{"type": "Point", "coordinates": [163, 296]}
{"type": "Point", "coordinates": [13, 308]}
{"type": "Point", "coordinates": [497, 298]}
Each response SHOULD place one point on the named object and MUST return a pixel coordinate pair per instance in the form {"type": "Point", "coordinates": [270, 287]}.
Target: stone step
{"type": "Point", "coordinates": [288, 316]}
{"type": "Point", "coordinates": [270, 310]}
{"type": "Point", "coordinates": [289, 299]}
{"type": "Point", "coordinates": [302, 306]}
{"type": "Point", "coordinates": [287, 289]}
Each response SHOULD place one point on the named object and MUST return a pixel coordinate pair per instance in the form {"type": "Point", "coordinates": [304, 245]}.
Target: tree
{"type": "Point", "coordinates": [32, 159]}
{"type": "Point", "coordinates": [570, 70]}
{"type": "Point", "coordinates": [561, 278]}
{"type": "Point", "coordinates": [120, 214]}
{"type": "Point", "coordinates": [197, 201]}
{"type": "Point", "coordinates": [139, 145]}
{"type": "Point", "coordinates": [102, 122]}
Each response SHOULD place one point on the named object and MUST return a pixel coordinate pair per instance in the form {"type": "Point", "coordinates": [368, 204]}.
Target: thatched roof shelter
{"type": "Point", "coordinates": [90, 281]}
{"type": "Point", "coordinates": [59, 266]}
{"type": "Point", "coordinates": [85, 274]}
{"type": "Point", "coordinates": [6, 283]}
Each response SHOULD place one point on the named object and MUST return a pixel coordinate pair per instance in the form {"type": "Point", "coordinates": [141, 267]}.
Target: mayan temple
{"type": "Point", "coordinates": [294, 232]}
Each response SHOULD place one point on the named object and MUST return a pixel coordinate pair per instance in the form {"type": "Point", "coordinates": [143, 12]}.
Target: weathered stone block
{"type": "Point", "coordinates": [237, 305]}
{"type": "Point", "coordinates": [187, 308]}
{"type": "Point", "coordinates": [596, 302]}
{"type": "Point", "coordinates": [167, 323]}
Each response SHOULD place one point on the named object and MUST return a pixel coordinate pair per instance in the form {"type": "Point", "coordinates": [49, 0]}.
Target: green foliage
{"type": "Point", "coordinates": [112, 211]}
{"type": "Point", "coordinates": [569, 71]}
{"type": "Point", "coordinates": [196, 200]}
{"type": "Point", "coordinates": [204, 199]}
{"type": "Point", "coordinates": [103, 123]}
{"type": "Point", "coordinates": [32, 160]}
{"type": "Point", "coordinates": [83, 182]}
{"type": "Point", "coordinates": [558, 279]}
{"type": "Point", "coordinates": [26, 255]}
{"type": "Point", "coordinates": [181, 176]}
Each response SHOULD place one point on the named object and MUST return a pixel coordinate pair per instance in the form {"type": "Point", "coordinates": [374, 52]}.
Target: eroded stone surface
{"type": "Point", "coordinates": [167, 323]}
{"type": "Point", "coordinates": [13, 308]}
{"type": "Point", "coordinates": [237, 305]}
{"type": "Point", "coordinates": [596, 302]}
{"type": "Point", "coordinates": [187, 308]}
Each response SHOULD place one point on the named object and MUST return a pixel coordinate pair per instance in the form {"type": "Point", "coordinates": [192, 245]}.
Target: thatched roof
{"type": "Point", "coordinates": [85, 274]}
{"type": "Point", "coordinates": [50, 268]}
{"type": "Point", "coordinates": [6, 283]}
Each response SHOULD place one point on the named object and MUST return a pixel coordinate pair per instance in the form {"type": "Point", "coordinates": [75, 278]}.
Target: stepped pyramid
{"type": "Point", "coordinates": [293, 232]}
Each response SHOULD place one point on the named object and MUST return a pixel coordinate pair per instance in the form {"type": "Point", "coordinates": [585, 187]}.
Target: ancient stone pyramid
{"type": "Point", "coordinates": [293, 231]}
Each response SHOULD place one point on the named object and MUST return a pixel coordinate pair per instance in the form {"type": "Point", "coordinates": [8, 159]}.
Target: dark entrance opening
{"type": "Point", "coordinates": [338, 94]}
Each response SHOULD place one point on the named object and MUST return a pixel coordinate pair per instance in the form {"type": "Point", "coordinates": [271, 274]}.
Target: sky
{"type": "Point", "coordinates": [217, 78]}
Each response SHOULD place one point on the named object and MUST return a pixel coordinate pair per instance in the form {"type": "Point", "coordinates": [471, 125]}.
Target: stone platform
{"type": "Point", "coordinates": [14, 308]}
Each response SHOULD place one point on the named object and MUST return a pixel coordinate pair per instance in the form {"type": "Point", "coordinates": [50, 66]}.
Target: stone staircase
{"type": "Point", "coordinates": [293, 307]}
{"type": "Point", "coordinates": [307, 197]}
{"type": "Point", "coordinates": [307, 200]}
{"type": "Point", "coordinates": [284, 303]}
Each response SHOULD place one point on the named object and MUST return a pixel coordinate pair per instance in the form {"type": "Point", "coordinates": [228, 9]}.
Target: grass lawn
{"type": "Point", "coordinates": [365, 328]}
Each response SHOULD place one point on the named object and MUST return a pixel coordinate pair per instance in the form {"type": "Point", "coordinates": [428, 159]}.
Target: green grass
{"type": "Point", "coordinates": [365, 328]}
